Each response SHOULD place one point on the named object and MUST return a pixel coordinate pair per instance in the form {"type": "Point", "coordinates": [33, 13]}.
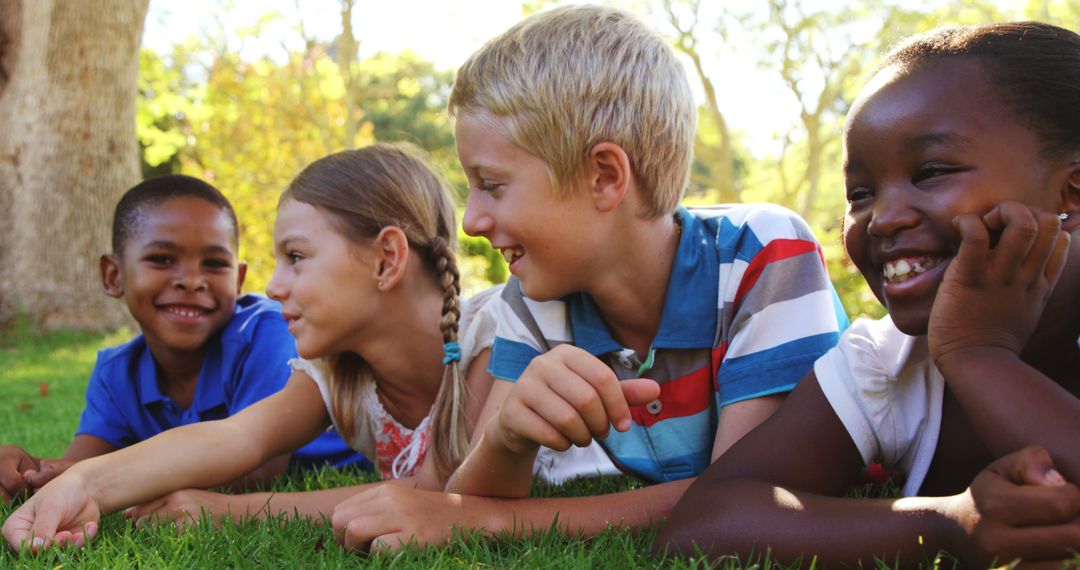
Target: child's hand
{"type": "Point", "coordinates": [1021, 507]}
{"type": "Point", "coordinates": [61, 514]}
{"type": "Point", "coordinates": [993, 297]}
{"type": "Point", "coordinates": [566, 396]}
{"type": "Point", "coordinates": [14, 463]}
{"type": "Point", "coordinates": [386, 517]}
{"type": "Point", "coordinates": [182, 508]}
{"type": "Point", "coordinates": [47, 470]}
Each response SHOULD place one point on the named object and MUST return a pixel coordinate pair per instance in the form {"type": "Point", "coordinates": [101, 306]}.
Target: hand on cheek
{"type": "Point", "coordinates": [993, 294]}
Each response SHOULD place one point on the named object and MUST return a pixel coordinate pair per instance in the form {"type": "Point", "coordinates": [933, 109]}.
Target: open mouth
{"type": "Point", "coordinates": [511, 254]}
{"type": "Point", "coordinates": [186, 312]}
{"type": "Point", "coordinates": [905, 268]}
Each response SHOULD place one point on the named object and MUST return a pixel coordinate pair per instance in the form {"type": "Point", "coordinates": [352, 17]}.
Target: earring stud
{"type": "Point", "coordinates": [1063, 216]}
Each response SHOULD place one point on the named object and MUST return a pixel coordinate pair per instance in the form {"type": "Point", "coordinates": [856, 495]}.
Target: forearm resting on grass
{"type": "Point", "coordinates": [746, 517]}
{"type": "Point", "coordinates": [389, 516]}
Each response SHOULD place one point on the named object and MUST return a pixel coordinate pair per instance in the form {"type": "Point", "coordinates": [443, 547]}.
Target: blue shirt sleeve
{"type": "Point", "coordinates": [102, 417]}
{"type": "Point", "coordinates": [265, 367]}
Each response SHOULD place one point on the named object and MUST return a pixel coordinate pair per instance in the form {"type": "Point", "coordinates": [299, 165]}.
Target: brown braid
{"type": "Point", "coordinates": [449, 421]}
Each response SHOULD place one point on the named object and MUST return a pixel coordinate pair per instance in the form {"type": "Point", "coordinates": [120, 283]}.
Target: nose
{"type": "Point", "coordinates": [187, 279]}
{"type": "Point", "coordinates": [276, 288]}
{"type": "Point", "coordinates": [894, 210]}
{"type": "Point", "coordinates": [477, 220]}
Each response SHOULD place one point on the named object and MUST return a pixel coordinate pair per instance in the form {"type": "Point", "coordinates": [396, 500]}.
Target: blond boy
{"type": "Point", "coordinates": [681, 329]}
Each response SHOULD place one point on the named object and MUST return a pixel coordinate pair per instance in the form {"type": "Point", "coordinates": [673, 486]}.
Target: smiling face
{"type": "Point", "coordinates": [547, 240]}
{"type": "Point", "coordinates": [921, 148]}
{"type": "Point", "coordinates": [178, 273]}
{"type": "Point", "coordinates": [322, 280]}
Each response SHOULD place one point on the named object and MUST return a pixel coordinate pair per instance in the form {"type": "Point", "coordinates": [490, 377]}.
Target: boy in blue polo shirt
{"type": "Point", "coordinates": [204, 353]}
{"type": "Point", "coordinates": [682, 329]}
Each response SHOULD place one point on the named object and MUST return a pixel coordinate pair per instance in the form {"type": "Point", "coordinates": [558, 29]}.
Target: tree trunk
{"type": "Point", "coordinates": [67, 152]}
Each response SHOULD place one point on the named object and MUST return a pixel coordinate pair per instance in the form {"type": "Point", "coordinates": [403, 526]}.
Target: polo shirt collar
{"type": "Point", "coordinates": [690, 304]}
{"type": "Point", "coordinates": [209, 393]}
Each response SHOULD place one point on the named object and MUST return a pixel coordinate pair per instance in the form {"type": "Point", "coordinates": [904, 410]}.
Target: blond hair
{"type": "Point", "coordinates": [364, 191]}
{"type": "Point", "coordinates": [564, 80]}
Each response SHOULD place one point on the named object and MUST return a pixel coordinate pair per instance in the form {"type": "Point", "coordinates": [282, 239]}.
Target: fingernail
{"type": "Point", "coordinates": [38, 542]}
{"type": "Point", "coordinates": [624, 424]}
{"type": "Point", "coordinates": [1054, 478]}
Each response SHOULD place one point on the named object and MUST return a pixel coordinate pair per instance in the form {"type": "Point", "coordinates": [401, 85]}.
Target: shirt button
{"type": "Point", "coordinates": [654, 407]}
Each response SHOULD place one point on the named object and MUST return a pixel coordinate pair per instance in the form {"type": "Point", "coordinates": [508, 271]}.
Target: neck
{"type": "Point", "coordinates": [629, 292]}
{"type": "Point", "coordinates": [177, 367]}
{"type": "Point", "coordinates": [405, 351]}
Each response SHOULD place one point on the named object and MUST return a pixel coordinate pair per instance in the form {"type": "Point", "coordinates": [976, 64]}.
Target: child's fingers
{"type": "Point", "coordinates": [639, 391]}
{"type": "Point", "coordinates": [361, 531]}
{"type": "Point", "coordinates": [1033, 267]}
{"type": "Point", "coordinates": [1056, 263]}
{"type": "Point", "coordinates": [11, 483]}
{"type": "Point", "coordinates": [971, 259]}
{"type": "Point", "coordinates": [1019, 232]}
{"type": "Point", "coordinates": [615, 409]}
{"type": "Point", "coordinates": [534, 426]}
{"type": "Point", "coordinates": [567, 417]}
{"type": "Point", "coordinates": [1031, 465]}
{"type": "Point", "coordinates": [390, 542]}
{"type": "Point", "coordinates": [38, 479]}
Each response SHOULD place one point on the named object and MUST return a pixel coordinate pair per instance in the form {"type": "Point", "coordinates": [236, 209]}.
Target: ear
{"type": "Point", "coordinates": [241, 273]}
{"type": "Point", "coordinates": [391, 250]}
{"type": "Point", "coordinates": [111, 275]}
{"type": "Point", "coordinates": [609, 175]}
{"type": "Point", "coordinates": [1070, 198]}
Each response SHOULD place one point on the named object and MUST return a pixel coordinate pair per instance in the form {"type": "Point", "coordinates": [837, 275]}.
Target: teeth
{"type": "Point", "coordinates": [510, 254]}
{"type": "Point", "coordinates": [189, 313]}
{"type": "Point", "coordinates": [900, 270]}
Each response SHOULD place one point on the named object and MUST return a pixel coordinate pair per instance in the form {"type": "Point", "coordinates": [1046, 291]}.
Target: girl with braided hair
{"type": "Point", "coordinates": [368, 282]}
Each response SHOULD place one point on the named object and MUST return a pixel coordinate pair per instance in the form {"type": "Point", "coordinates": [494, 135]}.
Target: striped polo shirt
{"type": "Point", "coordinates": [749, 308]}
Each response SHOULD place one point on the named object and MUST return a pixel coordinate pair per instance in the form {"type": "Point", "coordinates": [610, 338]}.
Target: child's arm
{"type": "Point", "coordinates": [197, 455]}
{"type": "Point", "coordinates": [565, 397]}
{"type": "Point", "coordinates": [781, 486]}
{"type": "Point", "coordinates": [983, 319]}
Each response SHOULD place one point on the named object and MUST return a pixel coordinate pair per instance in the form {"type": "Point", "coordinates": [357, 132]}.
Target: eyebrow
{"type": "Point", "coordinates": [171, 246]}
{"type": "Point", "coordinates": [285, 241]}
{"type": "Point", "coordinates": [944, 138]}
{"type": "Point", "coordinates": [947, 139]}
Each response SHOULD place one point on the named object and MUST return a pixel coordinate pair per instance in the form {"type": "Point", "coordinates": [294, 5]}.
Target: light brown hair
{"type": "Point", "coordinates": [364, 191]}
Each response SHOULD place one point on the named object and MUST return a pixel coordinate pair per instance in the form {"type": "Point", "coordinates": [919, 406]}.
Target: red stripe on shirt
{"type": "Point", "coordinates": [684, 396]}
{"type": "Point", "coordinates": [777, 250]}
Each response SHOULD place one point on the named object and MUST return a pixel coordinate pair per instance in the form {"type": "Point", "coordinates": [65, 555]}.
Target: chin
{"type": "Point", "coordinates": [910, 323]}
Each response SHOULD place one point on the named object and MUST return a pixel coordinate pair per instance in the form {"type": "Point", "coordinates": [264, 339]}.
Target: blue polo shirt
{"type": "Point", "coordinates": [245, 363]}
{"type": "Point", "coordinates": [748, 309]}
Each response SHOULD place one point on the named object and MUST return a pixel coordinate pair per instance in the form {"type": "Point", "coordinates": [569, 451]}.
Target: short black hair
{"type": "Point", "coordinates": [1034, 66]}
{"type": "Point", "coordinates": [154, 191]}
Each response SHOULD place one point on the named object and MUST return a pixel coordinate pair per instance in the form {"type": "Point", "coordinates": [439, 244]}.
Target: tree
{"type": "Point", "coordinates": [67, 152]}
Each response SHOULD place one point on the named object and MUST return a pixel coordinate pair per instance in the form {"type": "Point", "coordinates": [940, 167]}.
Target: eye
{"type": "Point", "coordinates": [858, 194]}
{"type": "Point", "coordinates": [218, 263]}
{"type": "Point", "coordinates": [293, 257]}
{"type": "Point", "coordinates": [160, 259]}
{"type": "Point", "coordinates": [933, 170]}
{"type": "Point", "coordinates": [488, 186]}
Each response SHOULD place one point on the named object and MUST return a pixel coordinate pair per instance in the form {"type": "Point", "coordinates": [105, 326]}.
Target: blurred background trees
{"type": "Point", "coordinates": [248, 120]}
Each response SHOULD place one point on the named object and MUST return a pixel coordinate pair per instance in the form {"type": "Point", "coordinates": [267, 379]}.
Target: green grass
{"type": "Point", "coordinates": [42, 379]}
